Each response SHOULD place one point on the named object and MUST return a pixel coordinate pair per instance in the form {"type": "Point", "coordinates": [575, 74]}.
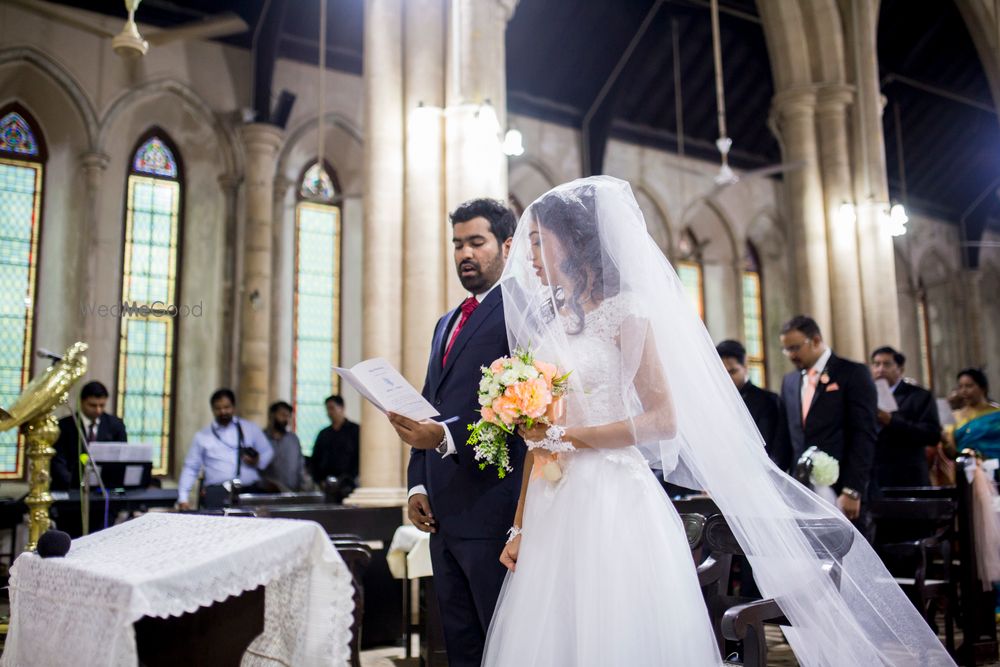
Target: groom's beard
{"type": "Point", "coordinates": [480, 279]}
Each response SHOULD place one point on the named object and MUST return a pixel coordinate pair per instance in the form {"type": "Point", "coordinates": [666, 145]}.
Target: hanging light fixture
{"type": "Point", "coordinates": [513, 143]}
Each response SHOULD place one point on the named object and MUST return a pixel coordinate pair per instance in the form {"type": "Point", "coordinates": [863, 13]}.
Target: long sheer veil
{"type": "Point", "coordinates": [585, 244]}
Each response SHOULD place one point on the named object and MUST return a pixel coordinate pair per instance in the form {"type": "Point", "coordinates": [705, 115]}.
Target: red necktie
{"type": "Point", "coordinates": [468, 306]}
{"type": "Point", "coordinates": [92, 432]}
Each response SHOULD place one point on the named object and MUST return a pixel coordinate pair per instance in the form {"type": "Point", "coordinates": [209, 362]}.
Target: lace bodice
{"type": "Point", "coordinates": [605, 396]}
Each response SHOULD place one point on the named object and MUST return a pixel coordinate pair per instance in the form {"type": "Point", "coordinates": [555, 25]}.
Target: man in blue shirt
{"type": "Point", "coordinates": [229, 448]}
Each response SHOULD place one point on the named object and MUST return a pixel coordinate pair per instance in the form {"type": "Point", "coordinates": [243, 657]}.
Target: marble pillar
{"type": "Point", "coordinates": [230, 184]}
{"type": "Point", "coordinates": [847, 326]}
{"type": "Point", "coordinates": [426, 262]}
{"type": "Point", "coordinates": [261, 143]}
{"type": "Point", "coordinates": [794, 117]}
{"type": "Point", "coordinates": [93, 164]}
{"type": "Point", "coordinates": [381, 470]}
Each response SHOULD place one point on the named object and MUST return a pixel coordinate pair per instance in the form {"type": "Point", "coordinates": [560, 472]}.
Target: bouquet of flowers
{"type": "Point", "coordinates": [515, 390]}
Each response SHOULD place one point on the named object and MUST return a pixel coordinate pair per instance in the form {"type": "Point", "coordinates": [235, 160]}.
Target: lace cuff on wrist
{"type": "Point", "coordinates": [553, 441]}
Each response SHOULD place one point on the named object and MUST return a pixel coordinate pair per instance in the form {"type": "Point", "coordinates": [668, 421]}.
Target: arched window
{"type": "Point", "coordinates": [148, 342]}
{"type": "Point", "coordinates": [753, 316]}
{"type": "Point", "coordinates": [22, 165]}
{"type": "Point", "coordinates": [317, 301]}
{"type": "Point", "coordinates": [924, 336]}
{"type": "Point", "coordinates": [689, 270]}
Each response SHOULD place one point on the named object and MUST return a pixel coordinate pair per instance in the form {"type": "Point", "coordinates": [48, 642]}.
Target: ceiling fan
{"type": "Point", "coordinates": [726, 176]}
{"type": "Point", "coordinates": [129, 43]}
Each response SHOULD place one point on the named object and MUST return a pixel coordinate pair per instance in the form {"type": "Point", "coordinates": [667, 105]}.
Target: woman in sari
{"type": "Point", "coordinates": [977, 424]}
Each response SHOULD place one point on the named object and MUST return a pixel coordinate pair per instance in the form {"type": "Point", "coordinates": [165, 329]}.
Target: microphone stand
{"type": "Point", "coordinates": [88, 464]}
{"type": "Point", "coordinates": [87, 460]}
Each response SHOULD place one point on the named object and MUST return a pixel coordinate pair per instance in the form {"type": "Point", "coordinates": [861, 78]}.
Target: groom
{"type": "Point", "coordinates": [467, 510]}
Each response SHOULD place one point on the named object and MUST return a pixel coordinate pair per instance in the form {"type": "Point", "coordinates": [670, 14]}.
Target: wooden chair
{"type": "Point", "coordinates": [357, 556]}
{"type": "Point", "coordinates": [744, 622]}
{"type": "Point", "coordinates": [914, 538]}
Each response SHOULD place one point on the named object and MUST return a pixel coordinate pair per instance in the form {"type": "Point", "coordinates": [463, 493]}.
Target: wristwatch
{"type": "Point", "coordinates": [851, 493]}
{"type": "Point", "coordinates": [442, 447]}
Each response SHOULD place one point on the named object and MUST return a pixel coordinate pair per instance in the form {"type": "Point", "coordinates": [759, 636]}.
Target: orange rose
{"type": "Point", "coordinates": [547, 370]}
{"type": "Point", "coordinates": [506, 409]}
{"type": "Point", "coordinates": [531, 397]}
{"type": "Point", "coordinates": [497, 366]}
{"type": "Point", "coordinates": [488, 415]}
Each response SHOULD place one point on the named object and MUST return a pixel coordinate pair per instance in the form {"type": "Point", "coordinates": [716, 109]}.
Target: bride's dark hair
{"type": "Point", "coordinates": [572, 216]}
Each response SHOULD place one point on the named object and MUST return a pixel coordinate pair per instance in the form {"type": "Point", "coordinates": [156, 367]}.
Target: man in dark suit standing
{"type": "Point", "coordinates": [904, 435]}
{"type": "Point", "coordinates": [467, 510]}
{"type": "Point", "coordinates": [830, 403]}
{"type": "Point", "coordinates": [765, 406]}
{"type": "Point", "coordinates": [93, 424]}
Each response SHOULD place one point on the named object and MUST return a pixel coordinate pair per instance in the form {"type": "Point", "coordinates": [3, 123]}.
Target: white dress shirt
{"type": "Point", "coordinates": [214, 449]}
{"type": "Point", "coordinates": [818, 367]}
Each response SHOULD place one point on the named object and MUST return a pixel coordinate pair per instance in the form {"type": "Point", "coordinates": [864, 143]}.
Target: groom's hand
{"type": "Point", "coordinates": [419, 435]}
{"type": "Point", "coordinates": [418, 509]}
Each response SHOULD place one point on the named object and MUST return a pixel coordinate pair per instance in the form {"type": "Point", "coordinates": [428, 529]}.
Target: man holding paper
{"type": "Point", "coordinates": [467, 510]}
{"type": "Point", "coordinates": [908, 423]}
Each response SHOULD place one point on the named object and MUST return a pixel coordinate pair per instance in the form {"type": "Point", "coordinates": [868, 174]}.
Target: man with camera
{"type": "Point", "coordinates": [230, 450]}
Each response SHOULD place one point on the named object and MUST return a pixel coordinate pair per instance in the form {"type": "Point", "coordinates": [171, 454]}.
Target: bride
{"type": "Point", "coordinates": [600, 572]}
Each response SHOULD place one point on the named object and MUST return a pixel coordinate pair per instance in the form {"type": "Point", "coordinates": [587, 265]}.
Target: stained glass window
{"type": "Point", "coordinates": [16, 135]}
{"type": "Point", "coordinates": [317, 184]}
{"type": "Point", "coordinates": [690, 272]}
{"type": "Point", "coordinates": [21, 171]}
{"type": "Point", "coordinates": [753, 317]}
{"type": "Point", "coordinates": [149, 300]}
{"type": "Point", "coordinates": [155, 159]}
{"type": "Point", "coordinates": [317, 307]}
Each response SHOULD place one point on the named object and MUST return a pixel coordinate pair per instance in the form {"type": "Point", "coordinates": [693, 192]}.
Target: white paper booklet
{"type": "Point", "coordinates": [387, 389]}
{"type": "Point", "coordinates": [886, 401]}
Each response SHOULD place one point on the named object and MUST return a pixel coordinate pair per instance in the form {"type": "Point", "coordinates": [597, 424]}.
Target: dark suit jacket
{"type": "Point", "coordinates": [64, 468]}
{"type": "Point", "coordinates": [899, 453]}
{"type": "Point", "coordinates": [841, 420]}
{"type": "Point", "coordinates": [769, 414]}
{"type": "Point", "coordinates": [467, 502]}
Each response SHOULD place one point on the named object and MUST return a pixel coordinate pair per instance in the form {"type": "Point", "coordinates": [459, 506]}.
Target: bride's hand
{"type": "Point", "coordinates": [536, 433]}
{"type": "Point", "coordinates": [509, 554]}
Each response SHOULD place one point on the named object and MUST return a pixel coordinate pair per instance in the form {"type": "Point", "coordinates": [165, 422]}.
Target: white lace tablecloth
{"type": "Point", "coordinates": [80, 609]}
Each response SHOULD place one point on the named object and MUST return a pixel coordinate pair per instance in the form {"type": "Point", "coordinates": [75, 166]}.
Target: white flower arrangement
{"type": "Point", "coordinates": [825, 468]}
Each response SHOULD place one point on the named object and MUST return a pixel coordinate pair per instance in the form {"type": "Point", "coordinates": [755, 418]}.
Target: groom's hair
{"type": "Point", "coordinates": [731, 349]}
{"type": "Point", "coordinates": [803, 323]}
{"type": "Point", "coordinates": [502, 220]}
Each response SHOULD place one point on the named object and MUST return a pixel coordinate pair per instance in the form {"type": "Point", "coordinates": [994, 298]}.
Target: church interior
{"type": "Point", "coordinates": [245, 194]}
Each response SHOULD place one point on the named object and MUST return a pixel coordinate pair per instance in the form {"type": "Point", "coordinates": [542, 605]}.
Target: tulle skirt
{"type": "Point", "coordinates": [604, 576]}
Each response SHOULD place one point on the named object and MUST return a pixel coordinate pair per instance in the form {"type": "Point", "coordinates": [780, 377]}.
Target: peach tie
{"type": "Point", "coordinates": [810, 392]}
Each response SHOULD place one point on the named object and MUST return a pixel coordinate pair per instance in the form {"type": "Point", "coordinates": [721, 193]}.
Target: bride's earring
{"type": "Point", "coordinates": [559, 295]}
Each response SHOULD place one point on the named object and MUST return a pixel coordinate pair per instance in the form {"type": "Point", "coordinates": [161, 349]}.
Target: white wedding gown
{"type": "Point", "coordinates": [604, 576]}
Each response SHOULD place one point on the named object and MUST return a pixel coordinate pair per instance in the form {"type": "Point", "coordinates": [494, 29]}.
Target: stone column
{"type": "Point", "coordinates": [261, 143]}
{"type": "Point", "coordinates": [381, 473]}
{"type": "Point", "coordinates": [871, 187]}
{"type": "Point", "coordinates": [845, 278]}
{"type": "Point", "coordinates": [426, 263]}
{"type": "Point", "coordinates": [793, 114]}
{"type": "Point", "coordinates": [230, 184]}
{"type": "Point", "coordinates": [93, 164]}
{"type": "Point", "coordinates": [282, 288]}
{"type": "Point", "coordinates": [476, 96]}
